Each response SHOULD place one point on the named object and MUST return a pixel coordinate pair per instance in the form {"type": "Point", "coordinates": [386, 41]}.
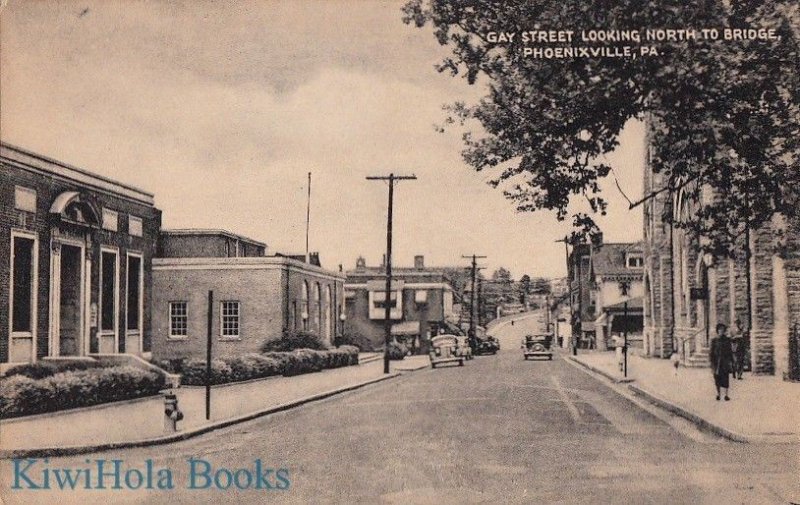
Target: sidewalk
{"type": "Point", "coordinates": [762, 408]}
{"type": "Point", "coordinates": [140, 422]}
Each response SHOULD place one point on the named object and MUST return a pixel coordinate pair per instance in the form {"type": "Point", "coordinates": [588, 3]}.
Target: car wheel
{"type": "Point", "coordinates": [433, 365]}
{"type": "Point", "coordinates": [461, 363]}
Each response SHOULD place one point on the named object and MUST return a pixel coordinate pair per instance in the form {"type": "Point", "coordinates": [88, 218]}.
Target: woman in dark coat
{"type": "Point", "coordinates": [721, 356]}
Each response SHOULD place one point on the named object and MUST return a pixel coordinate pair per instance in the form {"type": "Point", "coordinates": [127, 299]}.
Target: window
{"type": "Point", "coordinates": [135, 226]}
{"type": "Point", "coordinates": [635, 261]}
{"type": "Point", "coordinates": [178, 319]}
{"type": "Point", "coordinates": [230, 319]}
{"type": "Point", "coordinates": [22, 284]}
{"type": "Point", "coordinates": [108, 289]}
{"type": "Point", "coordinates": [134, 295]}
{"type": "Point", "coordinates": [110, 220]}
{"type": "Point", "coordinates": [24, 199]}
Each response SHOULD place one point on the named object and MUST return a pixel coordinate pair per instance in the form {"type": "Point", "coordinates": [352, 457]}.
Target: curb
{"type": "Point", "coordinates": [696, 419]}
{"type": "Point", "coordinates": [177, 437]}
{"type": "Point", "coordinates": [612, 378]}
{"type": "Point", "coordinates": [691, 416]}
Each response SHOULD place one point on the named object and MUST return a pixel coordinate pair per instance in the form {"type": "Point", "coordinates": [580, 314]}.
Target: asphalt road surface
{"type": "Point", "coordinates": [498, 430]}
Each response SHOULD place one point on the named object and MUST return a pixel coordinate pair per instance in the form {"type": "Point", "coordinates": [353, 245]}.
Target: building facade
{"type": "Point", "coordinates": [605, 292]}
{"type": "Point", "coordinates": [421, 303]}
{"type": "Point", "coordinates": [76, 249]}
{"type": "Point", "coordinates": [255, 297]}
{"type": "Point", "coordinates": [756, 288]}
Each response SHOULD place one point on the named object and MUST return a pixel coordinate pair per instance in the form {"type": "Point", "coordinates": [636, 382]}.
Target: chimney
{"type": "Point", "coordinates": [361, 263]}
{"type": "Point", "coordinates": [419, 262]}
{"type": "Point", "coordinates": [383, 261]}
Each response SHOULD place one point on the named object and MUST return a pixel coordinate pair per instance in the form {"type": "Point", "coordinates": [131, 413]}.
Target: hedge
{"type": "Point", "coordinates": [290, 341]}
{"type": "Point", "coordinates": [43, 369]}
{"type": "Point", "coordinates": [256, 366]}
{"type": "Point", "coordinates": [22, 396]}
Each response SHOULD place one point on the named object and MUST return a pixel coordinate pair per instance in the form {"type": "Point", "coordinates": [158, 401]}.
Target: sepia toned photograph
{"type": "Point", "coordinates": [400, 252]}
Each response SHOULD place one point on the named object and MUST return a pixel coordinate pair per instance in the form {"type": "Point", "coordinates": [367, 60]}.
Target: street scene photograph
{"type": "Point", "coordinates": [400, 252]}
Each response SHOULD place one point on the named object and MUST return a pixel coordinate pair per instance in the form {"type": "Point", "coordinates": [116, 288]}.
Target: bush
{"type": "Point", "coordinates": [364, 344]}
{"type": "Point", "coordinates": [397, 351]}
{"type": "Point", "coordinates": [291, 341]}
{"type": "Point", "coordinates": [174, 365]}
{"type": "Point", "coordinates": [253, 366]}
{"type": "Point", "coordinates": [22, 395]}
{"type": "Point", "coordinates": [43, 369]}
{"type": "Point", "coordinates": [194, 372]}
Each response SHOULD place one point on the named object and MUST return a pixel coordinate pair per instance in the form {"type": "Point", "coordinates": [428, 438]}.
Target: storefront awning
{"type": "Point", "coordinates": [406, 328]}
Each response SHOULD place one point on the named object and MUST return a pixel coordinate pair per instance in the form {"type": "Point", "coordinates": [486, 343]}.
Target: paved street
{"type": "Point", "coordinates": [498, 430]}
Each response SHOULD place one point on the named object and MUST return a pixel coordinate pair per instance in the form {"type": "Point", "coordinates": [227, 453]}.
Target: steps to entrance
{"type": "Point", "coordinates": [698, 359]}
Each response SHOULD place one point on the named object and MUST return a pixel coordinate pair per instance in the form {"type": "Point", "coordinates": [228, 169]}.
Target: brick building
{"type": "Point", "coordinates": [421, 302]}
{"type": "Point", "coordinates": [687, 293]}
{"type": "Point", "coordinates": [76, 252]}
{"type": "Point", "coordinates": [256, 297]}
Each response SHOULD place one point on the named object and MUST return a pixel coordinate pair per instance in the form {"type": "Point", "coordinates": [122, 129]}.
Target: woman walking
{"type": "Point", "coordinates": [721, 357]}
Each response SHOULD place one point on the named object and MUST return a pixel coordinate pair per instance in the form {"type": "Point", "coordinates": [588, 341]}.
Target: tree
{"type": "Point", "coordinates": [723, 116]}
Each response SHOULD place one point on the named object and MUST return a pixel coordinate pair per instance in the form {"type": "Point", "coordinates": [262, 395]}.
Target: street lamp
{"type": "Point", "coordinates": [624, 287]}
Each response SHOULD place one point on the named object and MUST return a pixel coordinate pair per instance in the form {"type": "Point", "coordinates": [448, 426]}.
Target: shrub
{"type": "Point", "coordinates": [362, 343]}
{"type": "Point", "coordinates": [397, 351]}
{"type": "Point", "coordinates": [173, 365]}
{"type": "Point", "coordinates": [194, 372]}
{"type": "Point", "coordinates": [291, 340]}
{"type": "Point", "coordinates": [253, 366]}
{"type": "Point", "coordinates": [22, 395]}
{"type": "Point", "coordinates": [43, 369]}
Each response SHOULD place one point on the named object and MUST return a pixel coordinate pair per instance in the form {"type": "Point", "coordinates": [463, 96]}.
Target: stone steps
{"type": "Point", "coordinates": [698, 359]}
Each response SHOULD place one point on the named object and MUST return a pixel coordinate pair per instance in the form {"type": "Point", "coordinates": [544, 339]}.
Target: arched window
{"type": "Point", "coordinates": [304, 305]}
{"type": "Point", "coordinates": [318, 300]}
{"type": "Point", "coordinates": [328, 309]}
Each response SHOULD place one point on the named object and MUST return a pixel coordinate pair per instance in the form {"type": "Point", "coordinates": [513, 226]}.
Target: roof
{"type": "Point", "coordinates": [634, 305]}
{"type": "Point", "coordinates": [211, 232]}
{"type": "Point", "coordinates": [609, 259]}
{"type": "Point", "coordinates": [32, 162]}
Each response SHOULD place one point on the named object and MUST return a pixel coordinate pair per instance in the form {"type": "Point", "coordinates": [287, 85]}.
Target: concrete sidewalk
{"type": "Point", "coordinates": [140, 422]}
{"type": "Point", "coordinates": [762, 408]}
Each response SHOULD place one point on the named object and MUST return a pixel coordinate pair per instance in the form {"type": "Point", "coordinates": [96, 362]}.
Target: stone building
{"type": "Point", "coordinates": [75, 257]}
{"type": "Point", "coordinates": [256, 297]}
{"type": "Point", "coordinates": [421, 302]}
{"type": "Point", "coordinates": [687, 292]}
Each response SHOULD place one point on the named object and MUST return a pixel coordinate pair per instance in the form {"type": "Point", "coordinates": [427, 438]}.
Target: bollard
{"type": "Point", "coordinates": [172, 413]}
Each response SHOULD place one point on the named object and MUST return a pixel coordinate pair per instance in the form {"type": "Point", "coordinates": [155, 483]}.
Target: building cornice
{"type": "Point", "coordinates": [244, 263]}
{"type": "Point", "coordinates": [32, 162]}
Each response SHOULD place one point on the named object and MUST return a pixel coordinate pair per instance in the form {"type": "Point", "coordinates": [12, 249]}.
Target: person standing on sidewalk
{"type": "Point", "coordinates": [721, 357]}
{"type": "Point", "coordinates": [739, 344]}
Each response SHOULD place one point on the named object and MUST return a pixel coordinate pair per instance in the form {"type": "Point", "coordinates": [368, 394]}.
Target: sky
{"type": "Point", "coordinates": [221, 110]}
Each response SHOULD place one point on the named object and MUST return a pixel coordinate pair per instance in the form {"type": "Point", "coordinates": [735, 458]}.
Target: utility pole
{"type": "Point", "coordinates": [569, 285]}
{"type": "Point", "coordinates": [388, 321]}
{"type": "Point", "coordinates": [472, 332]}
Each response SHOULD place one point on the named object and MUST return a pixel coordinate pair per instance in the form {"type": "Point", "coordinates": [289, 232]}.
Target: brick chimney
{"type": "Point", "coordinates": [419, 262]}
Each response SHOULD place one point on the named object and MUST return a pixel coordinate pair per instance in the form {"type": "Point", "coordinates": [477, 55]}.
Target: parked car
{"type": "Point", "coordinates": [538, 346]}
{"type": "Point", "coordinates": [444, 349]}
{"type": "Point", "coordinates": [464, 348]}
{"type": "Point", "coordinates": [487, 345]}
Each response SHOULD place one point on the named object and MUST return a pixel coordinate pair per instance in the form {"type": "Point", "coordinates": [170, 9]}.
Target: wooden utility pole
{"type": "Point", "coordinates": [308, 216]}
{"type": "Point", "coordinates": [472, 333]}
{"type": "Point", "coordinates": [388, 321]}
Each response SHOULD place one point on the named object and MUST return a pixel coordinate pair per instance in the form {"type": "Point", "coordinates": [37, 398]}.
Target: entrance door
{"type": "Point", "coordinates": [70, 301]}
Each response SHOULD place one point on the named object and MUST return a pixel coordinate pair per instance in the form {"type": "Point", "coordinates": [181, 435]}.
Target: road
{"type": "Point", "coordinates": [498, 430]}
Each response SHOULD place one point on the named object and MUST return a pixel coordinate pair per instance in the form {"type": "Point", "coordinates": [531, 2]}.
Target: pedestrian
{"type": "Point", "coordinates": [721, 356]}
{"type": "Point", "coordinates": [618, 350]}
{"type": "Point", "coordinates": [739, 344]}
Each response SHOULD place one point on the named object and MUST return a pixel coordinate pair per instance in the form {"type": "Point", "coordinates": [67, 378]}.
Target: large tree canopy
{"type": "Point", "coordinates": [722, 115]}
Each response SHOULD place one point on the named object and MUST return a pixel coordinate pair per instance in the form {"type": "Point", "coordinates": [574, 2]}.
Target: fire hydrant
{"type": "Point", "coordinates": [172, 414]}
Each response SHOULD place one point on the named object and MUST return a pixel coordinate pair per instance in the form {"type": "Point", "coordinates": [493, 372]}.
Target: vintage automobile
{"type": "Point", "coordinates": [538, 346]}
{"type": "Point", "coordinates": [464, 348]}
{"type": "Point", "coordinates": [444, 349]}
{"type": "Point", "coordinates": [487, 345]}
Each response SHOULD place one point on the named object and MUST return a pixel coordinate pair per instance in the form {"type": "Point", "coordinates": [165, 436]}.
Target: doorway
{"type": "Point", "coordinates": [70, 301]}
